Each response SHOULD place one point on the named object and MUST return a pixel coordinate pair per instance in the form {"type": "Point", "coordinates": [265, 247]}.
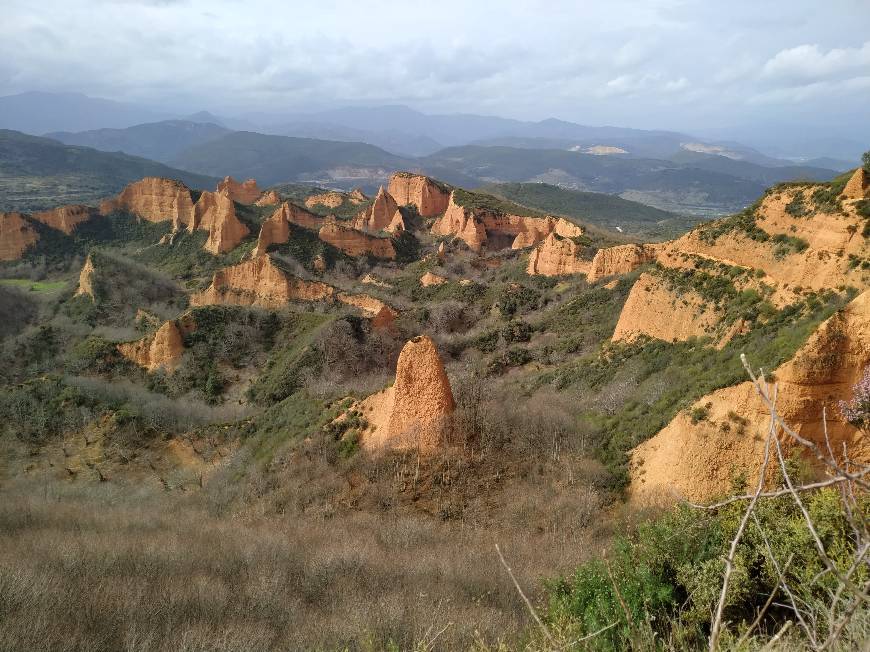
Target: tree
{"type": "Point", "coordinates": [866, 160]}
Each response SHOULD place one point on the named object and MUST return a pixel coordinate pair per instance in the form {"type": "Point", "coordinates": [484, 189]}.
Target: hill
{"type": "Point", "coordinates": [607, 211]}
{"type": "Point", "coordinates": [159, 141]}
{"type": "Point", "coordinates": [39, 173]}
{"type": "Point", "coordinates": [279, 159]}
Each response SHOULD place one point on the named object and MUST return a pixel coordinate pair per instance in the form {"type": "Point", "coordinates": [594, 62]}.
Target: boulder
{"type": "Point", "coordinates": [428, 196]}
{"type": "Point", "coordinates": [17, 235]}
{"type": "Point", "coordinates": [356, 243]}
{"type": "Point", "coordinates": [428, 279]}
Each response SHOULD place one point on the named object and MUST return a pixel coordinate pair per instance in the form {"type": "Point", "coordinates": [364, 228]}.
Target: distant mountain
{"type": "Point", "coordinates": [606, 211]}
{"type": "Point", "coordinates": [656, 182]}
{"type": "Point", "coordinates": [840, 165]}
{"type": "Point", "coordinates": [277, 159]}
{"type": "Point", "coordinates": [38, 113]}
{"type": "Point", "coordinates": [38, 173]}
{"type": "Point", "coordinates": [160, 141]}
{"type": "Point", "coordinates": [395, 142]}
{"type": "Point", "coordinates": [765, 175]}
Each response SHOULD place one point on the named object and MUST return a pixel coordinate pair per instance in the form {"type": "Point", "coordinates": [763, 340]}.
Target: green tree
{"type": "Point", "coordinates": [866, 160]}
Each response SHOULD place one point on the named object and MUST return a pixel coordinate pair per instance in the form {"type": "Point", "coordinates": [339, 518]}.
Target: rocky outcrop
{"type": "Point", "coordinates": [441, 254]}
{"type": "Point", "coordinates": [155, 200]}
{"type": "Point", "coordinates": [380, 314]}
{"type": "Point", "coordinates": [357, 196]}
{"type": "Point", "coordinates": [429, 279]}
{"type": "Point", "coordinates": [276, 229]}
{"type": "Point", "coordinates": [621, 259]}
{"type": "Point", "coordinates": [371, 279]}
{"type": "Point", "coordinates": [356, 243]}
{"type": "Point", "coordinates": [857, 186]}
{"type": "Point", "coordinates": [246, 192]}
{"type": "Point", "coordinates": [697, 459]}
{"type": "Point", "coordinates": [268, 198]}
{"type": "Point", "coordinates": [557, 256]}
{"type": "Point", "coordinates": [428, 196]}
{"type": "Point", "coordinates": [215, 212]}
{"type": "Point", "coordinates": [397, 224]}
{"type": "Point", "coordinates": [65, 218]}
{"type": "Point", "coordinates": [479, 227]}
{"type": "Point", "coordinates": [16, 236]}
{"type": "Point", "coordinates": [379, 214]}
{"type": "Point", "coordinates": [331, 199]}
{"type": "Point", "coordinates": [416, 411]}
{"type": "Point", "coordinates": [259, 282]}
{"type": "Point", "coordinates": [86, 279]}
{"type": "Point", "coordinates": [654, 310]}
{"type": "Point", "coordinates": [461, 223]}
{"type": "Point", "coordinates": [162, 350]}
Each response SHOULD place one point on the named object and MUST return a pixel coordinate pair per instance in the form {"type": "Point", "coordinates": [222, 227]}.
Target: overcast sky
{"type": "Point", "coordinates": [682, 64]}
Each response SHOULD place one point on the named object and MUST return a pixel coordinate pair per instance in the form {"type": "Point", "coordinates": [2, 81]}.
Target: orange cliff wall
{"type": "Point", "coordinates": [420, 191]}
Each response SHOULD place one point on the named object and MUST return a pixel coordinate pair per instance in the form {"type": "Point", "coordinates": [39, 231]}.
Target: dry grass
{"type": "Point", "coordinates": [103, 568]}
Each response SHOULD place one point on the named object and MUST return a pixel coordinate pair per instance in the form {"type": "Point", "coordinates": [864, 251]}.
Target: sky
{"type": "Point", "coordinates": [700, 65]}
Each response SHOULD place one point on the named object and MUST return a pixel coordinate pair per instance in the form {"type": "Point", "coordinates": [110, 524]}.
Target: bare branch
{"type": "Point", "coordinates": [532, 611]}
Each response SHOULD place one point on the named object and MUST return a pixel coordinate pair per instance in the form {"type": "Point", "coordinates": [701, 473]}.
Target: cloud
{"type": "Point", "coordinates": [811, 63]}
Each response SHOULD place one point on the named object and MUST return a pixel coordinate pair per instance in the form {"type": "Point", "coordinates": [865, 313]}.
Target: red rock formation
{"type": "Point", "coordinates": [86, 279]}
{"type": "Point", "coordinates": [856, 187]}
{"type": "Point", "coordinates": [428, 279]}
{"type": "Point", "coordinates": [556, 256]}
{"type": "Point", "coordinates": [268, 198]}
{"type": "Point", "coordinates": [357, 196]}
{"type": "Point", "coordinates": [16, 236]}
{"type": "Point", "coordinates": [698, 460]}
{"type": "Point", "coordinates": [330, 199]}
{"type": "Point", "coordinates": [155, 200]}
{"type": "Point", "coordinates": [430, 197]}
{"type": "Point", "coordinates": [381, 315]}
{"type": "Point", "coordinates": [215, 212]}
{"type": "Point", "coordinates": [246, 192]}
{"type": "Point", "coordinates": [442, 252]}
{"type": "Point", "coordinates": [164, 349]}
{"type": "Point", "coordinates": [416, 412]}
{"type": "Point", "coordinates": [65, 218]}
{"type": "Point", "coordinates": [621, 259]}
{"type": "Point", "coordinates": [460, 222]}
{"type": "Point", "coordinates": [356, 243]}
{"type": "Point", "coordinates": [397, 224]}
{"type": "Point", "coordinates": [379, 215]}
{"type": "Point", "coordinates": [276, 229]}
{"type": "Point", "coordinates": [259, 282]}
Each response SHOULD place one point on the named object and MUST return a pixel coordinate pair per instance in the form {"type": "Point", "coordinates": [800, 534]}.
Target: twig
{"type": "Point", "coordinates": [729, 560]}
{"type": "Point", "coordinates": [767, 604]}
{"type": "Point", "coordinates": [525, 599]}
{"type": "Point", "coordinates": [592, 635]}
{"type": "Point", "coordinates": [774, 494]}
{"type": "Point", "coordinates": [779, 635]}
{"type": "Point", "coordinates": [628, 619]}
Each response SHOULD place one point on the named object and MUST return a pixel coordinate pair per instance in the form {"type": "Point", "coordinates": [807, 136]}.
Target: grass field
{"type": "Point", "coordinates": [33, 286]}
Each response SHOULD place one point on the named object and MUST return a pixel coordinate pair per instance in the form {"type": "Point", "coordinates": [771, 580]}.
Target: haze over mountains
{"type": "Point", "coordinates": [349, 147]}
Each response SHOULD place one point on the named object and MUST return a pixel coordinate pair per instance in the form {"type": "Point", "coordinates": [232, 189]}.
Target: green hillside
{"type": "Point", "coordinates": [39, 173]}
{"type": "Point", "coordinates": [595, 208]}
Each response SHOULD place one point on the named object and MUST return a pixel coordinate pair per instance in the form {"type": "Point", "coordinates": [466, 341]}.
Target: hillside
{"type": "Point", "coordinates": [40, 173]}
{"type": "Point", "coordinates": [356, 394]}
{"type": "Point", "coordinates": [159, 141]}
{"type": "Point", "coordinates": [279, 159]}
{"type": "Point", "coordinates": [603, 210]}
{"type": "Point", "coordinates": [665, 185]}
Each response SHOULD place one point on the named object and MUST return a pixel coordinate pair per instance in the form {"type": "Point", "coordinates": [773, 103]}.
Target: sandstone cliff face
{"type": "Point", "coordinates": [276, 229]}
{"type": "Point", "coordinates": [461, 223]}
{"type": "Point", "coordinates": [857, 186]}
{"type": "Point", "coordinates": [246, 192]}
{"type": "Point", "coordinates": [16, 236]}
{"type": "Point", "coordinates": [416, 412]}
{"type": "Point", "coordinates": [652, 309]}
{"type": "Point", "coordinates": [621, 259]}
{"type": "Point", "coordinates": [86, 279]}
{"type": "Point", "coordinates": [414, 189]}
{"type": "Point", "coordinates": [428, 279]}
{"type": "Point", "coordinates": [268, 198]}
{"type": "Point", "coordinates": [556, 256]}
{"type": "Point", "coordinates": [65, 218]}
{"type": "Point", "coordinates": [397, 224]}
{"type": "Point", "coordinates": [259, 282]}
{"type": "Point", "coordinates": [356, 243]}
{"type": "Point", "coordinates": [698, 460]}
{"type": "Point", "coordinates": [164, 349]}
{"type": "Point", "coordinates": [483, 227]}
{"type": "Point", "coordinates": [379, 215]}
{"type": "Point", "coordinates": [215, 212]}
{"type": "Point", "coordinates": [155, 200]}
{"type": "Point", "coordinates": [380, 314]}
